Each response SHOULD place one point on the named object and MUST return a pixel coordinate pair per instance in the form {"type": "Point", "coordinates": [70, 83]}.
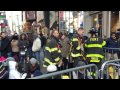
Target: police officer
{"type": "Point", "coordinates": [76, 42]}
{"type": "Point", "coordinates": [94, 49]}
{"type": "Point", "coordinates": [52, 51]}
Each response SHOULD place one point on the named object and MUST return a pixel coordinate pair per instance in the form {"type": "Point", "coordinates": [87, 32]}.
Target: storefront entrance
{"type": "Point", "coordinates": [115, 24]}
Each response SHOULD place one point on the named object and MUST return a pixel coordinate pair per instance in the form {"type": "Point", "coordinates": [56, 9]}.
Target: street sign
{"type": "Point", "coordinates": [2, 16]}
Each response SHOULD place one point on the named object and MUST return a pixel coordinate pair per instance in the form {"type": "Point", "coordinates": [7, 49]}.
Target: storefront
{"type": "Point", "coordinates": [97, 21]}
{"type": "Point", "coordinates": [115, 21]}
{"type": "Point", "coordinates": [70, 20]}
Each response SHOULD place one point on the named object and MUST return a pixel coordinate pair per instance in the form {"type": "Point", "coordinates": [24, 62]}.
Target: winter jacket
{"type": "Point", "coordinates": [5, 47]}
{"type": "Point", "coordinates": [35, 71]}
{"type": "Point", "coordinates": [13, 72]}
{"type": "Point", "coordinates": [52, 52]}
{"type": "Point", "coordinates": [36, 45]}
{"type": "Point", "coordinates": [111, 43]}
{"type": "Point", "coordinates": [14, 45]}
{"type": "Point", "coordinates": [65, 48]}
{"type": "Point", "coordinates": [43, 41]}
{"type": "Point", "coordinates": [23, 43]}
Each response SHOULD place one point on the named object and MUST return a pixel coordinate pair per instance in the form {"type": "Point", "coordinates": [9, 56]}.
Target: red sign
{"type": "Point", "coordinates": [3, 25]}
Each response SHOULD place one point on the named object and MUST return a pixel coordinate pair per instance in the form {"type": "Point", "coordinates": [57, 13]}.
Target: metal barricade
{"type": "Point", "coordinates": [105, 69]}
{"type": "Point", "coordinates": [111, 53]}
{"type": "Point", "coordinates": [60, 73]}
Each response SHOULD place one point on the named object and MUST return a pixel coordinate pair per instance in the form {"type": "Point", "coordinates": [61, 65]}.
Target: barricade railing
{"type": "Point", "coordinates": [106, 72]}
{"type": "Point", "coordinates": [70, 71]}
{"type": "Point", "coordinates": [111, 53]}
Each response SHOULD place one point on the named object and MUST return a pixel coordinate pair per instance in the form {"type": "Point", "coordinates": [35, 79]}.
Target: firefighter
{"type": "Point", "coordinates": [94, 49]}
{"type": "Point", "coordinates": [76, 42]}
{"type": "Point", "coordinates": [53, 52]}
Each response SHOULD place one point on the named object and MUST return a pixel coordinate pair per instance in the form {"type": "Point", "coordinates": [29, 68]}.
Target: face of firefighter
{"type": "Point", "coordinates": [56, 34]}
{"type": "Point", "coordinates": [81, 32]}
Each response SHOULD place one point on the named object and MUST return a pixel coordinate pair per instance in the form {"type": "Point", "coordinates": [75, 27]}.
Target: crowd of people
{"type": "Point", "coordinates": [28, 52]}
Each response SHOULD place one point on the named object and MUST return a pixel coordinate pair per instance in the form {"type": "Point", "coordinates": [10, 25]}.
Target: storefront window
{"type": "Point", "coordinates": [70, 20]}
{"type": "Point", "coordinates": [114, 21]}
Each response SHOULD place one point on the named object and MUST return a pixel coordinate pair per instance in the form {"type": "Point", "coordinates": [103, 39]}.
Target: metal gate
{"type": "Point", "coordinates": [110, 69]}
{"type": "Point", "coordinates": [69, 71]}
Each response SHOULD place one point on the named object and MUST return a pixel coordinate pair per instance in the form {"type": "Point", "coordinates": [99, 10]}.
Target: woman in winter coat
{"type": "Point", "coordinates": [23, 42]}
{"type": "Point", "coordinates": [36, 47]}
{"type": "Point", "coordinates": [15, 46]}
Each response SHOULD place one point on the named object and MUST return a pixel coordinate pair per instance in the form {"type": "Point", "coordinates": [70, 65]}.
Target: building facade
{"type": "Point", "coordinates": [108, 21]}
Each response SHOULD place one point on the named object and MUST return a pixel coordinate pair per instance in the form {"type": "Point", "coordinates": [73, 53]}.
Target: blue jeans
{"type": "Point", "coordinates": [37, 55]}
{"type": "Point", "coordinates": [42, 53]}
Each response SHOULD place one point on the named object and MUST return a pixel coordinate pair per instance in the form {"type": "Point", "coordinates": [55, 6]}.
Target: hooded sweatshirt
{"type": "Point", "coordinates": [13, 73]}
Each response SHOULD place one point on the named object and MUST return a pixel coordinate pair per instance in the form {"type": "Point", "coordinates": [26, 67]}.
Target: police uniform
{"type": "Point", "coordinates": [52, 52]}
{"type": "Point", "coordinates": [76, 49]}
{"type": "Point", "coordinates": [94, 50]}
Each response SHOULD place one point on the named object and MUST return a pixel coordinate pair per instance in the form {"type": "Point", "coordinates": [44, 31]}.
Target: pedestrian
{"type": "Point", "coordinates": [112, 42]}
{"type": "Point", "coordinates": [36, 46]}
{"type": "Point", "coordinates": [30, 40]}
{"type": "Point", "coordinates": [34, 68]}
{"type": "Point", "coordinates": [118, 34]}
{"type": "Point", "coordinates": [23, 46]}
{"type": "Point", "coordinates": [23, 42]}
{"type": "Point", "coordinates": [65, 49]}
{"type": "Point", "coordinates": [53, 52]}
{"type": "Point", "coordinates": [94, 51]}
{"type": "Point", "coordinates": [43, 43]}
{"type": "Point", "coordinates": [5, 45]}
{"type": "Point", "coordinates": [15, 46]}
{"type": "Point", "coordinates": [13, 72]}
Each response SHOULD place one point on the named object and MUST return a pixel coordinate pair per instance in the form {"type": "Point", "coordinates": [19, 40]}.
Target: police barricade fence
{"type": "Point", "coordinates": [70, 73]}
{"type": "Point", "coordinates": [110, 69]}
{"type": "Point", "coordinates": [111, 53]}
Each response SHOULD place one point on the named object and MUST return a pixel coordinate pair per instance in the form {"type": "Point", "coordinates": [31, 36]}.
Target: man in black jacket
{"type": "Point", "coordinates": [5, 45]}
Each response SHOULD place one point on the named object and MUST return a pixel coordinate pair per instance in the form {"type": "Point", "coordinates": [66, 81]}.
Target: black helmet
{"type": "Point", "coordinates": [93, 31]}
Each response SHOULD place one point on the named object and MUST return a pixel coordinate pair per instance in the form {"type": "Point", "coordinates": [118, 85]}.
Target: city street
{"type": "Point", "coordinates": [65, 44]}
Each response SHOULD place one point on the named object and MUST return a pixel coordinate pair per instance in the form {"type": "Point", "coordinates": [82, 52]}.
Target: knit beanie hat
{"type": "Point", "coordinates": [33, 61]}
